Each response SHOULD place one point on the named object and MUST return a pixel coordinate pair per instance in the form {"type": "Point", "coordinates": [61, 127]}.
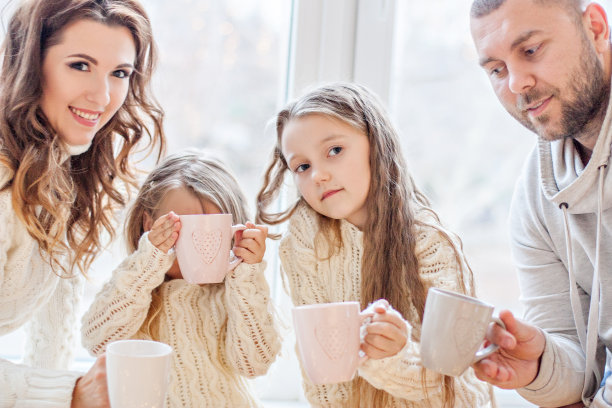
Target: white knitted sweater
{"type": "Point", "coordinates": [220, 333]}
{"type": "Point", "coordinates": [30, 292]}
{"type": "Point", "coordinates": [313, 280]}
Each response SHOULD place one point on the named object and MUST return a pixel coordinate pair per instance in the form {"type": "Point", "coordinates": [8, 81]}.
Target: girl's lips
{"type": "Point", "coordinates": [329, 193]}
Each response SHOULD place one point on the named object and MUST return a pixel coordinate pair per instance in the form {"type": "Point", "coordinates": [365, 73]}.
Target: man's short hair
{"type": "Point", "coordinates": [481, 8]}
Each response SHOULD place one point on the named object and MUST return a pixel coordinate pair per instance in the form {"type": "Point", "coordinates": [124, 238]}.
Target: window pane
{"type": "Point", "coordinates": [464, 149]}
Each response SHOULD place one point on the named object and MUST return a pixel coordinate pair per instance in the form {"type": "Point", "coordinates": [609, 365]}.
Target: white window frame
{"type": "Point", "coordinates": [341, 40]}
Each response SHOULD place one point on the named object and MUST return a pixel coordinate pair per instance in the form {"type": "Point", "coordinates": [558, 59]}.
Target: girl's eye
{"type": "Point", "coordinates": [302, 168]}
{"type": "Point", "coordinates": [120, 73]}
{"type": "Point", "coordinates": [80, 66]}
{"type": "Point", "coordinates": [335, 151]}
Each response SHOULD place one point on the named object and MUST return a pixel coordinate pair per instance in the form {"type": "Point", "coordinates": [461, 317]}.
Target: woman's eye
{"type": "Point", "coordinates": [335, 151]}
{"type": "Point", "coordinates": [80, 66]}
{"type": "Point", "coordinates": [120, 73]}
{"type": "Point", "coordinates": [302, 168]}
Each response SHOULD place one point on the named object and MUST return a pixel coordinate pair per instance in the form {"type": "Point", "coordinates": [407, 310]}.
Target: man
{"type": "Point", "coordinates": [549, 62]}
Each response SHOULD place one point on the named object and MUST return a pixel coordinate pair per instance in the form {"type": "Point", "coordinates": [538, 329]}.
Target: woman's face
{"type": "Point", "coordinates": [85, 78]}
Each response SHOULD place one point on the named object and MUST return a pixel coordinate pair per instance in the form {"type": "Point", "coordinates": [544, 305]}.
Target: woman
{"type": "Point", "coordinates": [74, 86]}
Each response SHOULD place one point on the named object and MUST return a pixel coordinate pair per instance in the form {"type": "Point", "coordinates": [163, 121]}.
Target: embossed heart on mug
{"type": "Point", "coordinates": [465, 335]}
{"type": "Point", "coordinates": [207, 244]}
{"type": "Point", "coordinates": [333, 339]}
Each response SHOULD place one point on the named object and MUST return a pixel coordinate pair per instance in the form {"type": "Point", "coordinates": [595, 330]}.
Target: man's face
{"type": "Point", "coordinates": [542, 65]}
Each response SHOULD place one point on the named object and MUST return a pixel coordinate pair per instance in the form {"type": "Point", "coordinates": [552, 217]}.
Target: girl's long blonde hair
{"type": "Point", "coordinates": [67, 204]}
{"type": "Point", "coordinates": [390, 268]}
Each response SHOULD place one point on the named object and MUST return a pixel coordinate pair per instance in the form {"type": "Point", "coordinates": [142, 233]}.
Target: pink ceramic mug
{"type": "Point", "coordinates": [203, 247]}
{"type": "Point", "coordinates": [328, 340]}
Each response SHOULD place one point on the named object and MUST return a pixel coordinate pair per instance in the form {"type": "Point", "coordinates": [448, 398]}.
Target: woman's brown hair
{"type": "Point", "coordinates": [390, 268]}
{"type": "Point", "coordinates": [66, 204]}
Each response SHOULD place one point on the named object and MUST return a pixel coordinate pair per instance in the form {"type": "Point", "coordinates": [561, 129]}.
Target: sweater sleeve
{"type": "Point", "coordinates": [122, 305]}
{"type": "Point", "coordinates": [23, 386]}
{"type": "Point", "coordinates": [52, 332]}
{"type": "Point", "coordinates": [544, 286]}
{"type": "Point", "coordinates": [403, 374]}
{"type": "Point", "coordinates": [253, 340]}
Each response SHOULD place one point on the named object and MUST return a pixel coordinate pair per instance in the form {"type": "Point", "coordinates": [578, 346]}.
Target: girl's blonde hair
{"type": "Point", "coordinates": [204, 176]}
{"type": "Point", "coordinates": [390, 268]}
{"type": "Point", "coordinates": [66, 204]}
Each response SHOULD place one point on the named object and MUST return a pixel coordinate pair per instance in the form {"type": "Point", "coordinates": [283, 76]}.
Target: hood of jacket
{"type": "Point", "coordinates": [563, 177]}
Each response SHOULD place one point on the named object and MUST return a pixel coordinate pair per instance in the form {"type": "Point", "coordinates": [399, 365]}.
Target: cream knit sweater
{"type": "Point", "coordinates": [312, 280]}
{"type": "Point", "coordinates": [30, 292]}
{"type": "Point", "coordinates": [220, 333]}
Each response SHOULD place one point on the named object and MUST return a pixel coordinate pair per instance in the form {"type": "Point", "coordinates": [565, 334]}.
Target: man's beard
{"type": "Point", "coordinates": [588, 90]}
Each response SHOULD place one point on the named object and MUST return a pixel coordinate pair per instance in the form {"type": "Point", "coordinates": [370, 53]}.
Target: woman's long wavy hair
{"type": "Point", "coordinates": [390, 268]}
{"type": "Point", "coordinates": [67, 204]}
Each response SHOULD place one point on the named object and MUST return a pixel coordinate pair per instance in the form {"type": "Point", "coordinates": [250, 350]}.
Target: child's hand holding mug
{"type": "Point", "coordinates": [386, 333]}
{"type": "Point", "coordinates": [250, 244]}
{"type": "Point", "coordinates": [165, 231]}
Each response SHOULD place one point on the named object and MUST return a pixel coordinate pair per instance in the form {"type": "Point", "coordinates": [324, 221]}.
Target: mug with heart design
{"type": "Point", "coordinates": [328, 340]}
{"type": "Point", "coordinates": [454, 328]}
{"type": "Point", "coordinates": [203, 248]}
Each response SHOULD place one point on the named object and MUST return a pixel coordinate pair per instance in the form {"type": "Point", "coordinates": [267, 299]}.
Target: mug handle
{"type": "Point", "coordinates": [235, 260]}
{"type": "Point", "coordinates": [491, 348]}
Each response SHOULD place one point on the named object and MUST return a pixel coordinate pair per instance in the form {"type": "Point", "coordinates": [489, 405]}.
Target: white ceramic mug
{"type": "Point", "coordinates": [328, 340]}
{"type": "Point", "coordinates": [137, 373]}
{"type": "Point", "coordinates": [203, 247]}
{"type": "Point", "coordinates": [454, 328]}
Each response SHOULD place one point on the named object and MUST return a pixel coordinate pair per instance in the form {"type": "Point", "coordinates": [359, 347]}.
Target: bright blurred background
{"type": "Point", "coordinates": [227, 66]}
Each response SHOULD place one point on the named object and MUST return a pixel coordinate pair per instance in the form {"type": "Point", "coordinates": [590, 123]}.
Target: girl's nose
{"type": "Point", "coordinates": [320, 175]}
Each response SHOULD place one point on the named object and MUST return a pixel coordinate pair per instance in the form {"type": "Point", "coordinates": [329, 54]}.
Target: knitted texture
{"type": "Point", "coordinates": [30, 293]}
{"type": "Point", "coordinates": [318, 280]}
{"type": "Point", "coordinates": [220, 333]}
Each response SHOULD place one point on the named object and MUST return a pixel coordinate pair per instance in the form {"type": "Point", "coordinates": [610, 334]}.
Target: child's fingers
{"type": "Point", "coordinates": [390, 316]}
{"type": "Point", "coordinates": [381, 342]}
{"type": "Point", "coordinates": [255, 234]}
{"type": "Point", "coordinates": [372, 351]}
{"type": "Point", "coordinates": [388, 330]}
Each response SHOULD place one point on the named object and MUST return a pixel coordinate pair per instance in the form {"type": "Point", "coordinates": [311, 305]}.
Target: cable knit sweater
{"type": "Point", "coordinates": [313, 280]}
{"type": "Point", "coordinates": [30, 292]}
{"type": "Point", "coordinates": [220, 333]}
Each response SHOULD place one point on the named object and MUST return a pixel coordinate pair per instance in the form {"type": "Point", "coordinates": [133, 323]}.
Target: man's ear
{"type": "Point", "coordinates": [147, 221]}
{"type": "Point", "coordinates": [596, 22]}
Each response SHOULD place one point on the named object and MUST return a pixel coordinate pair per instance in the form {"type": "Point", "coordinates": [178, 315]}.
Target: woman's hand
{"type": "Point", "coordinates": [386, 334]}
{"type": "Point", "coordinates": [250, 244]}
{"type": "Point", "coordinates": [90, 390]}
{"type": "Point", "coordinates": [165, 231]}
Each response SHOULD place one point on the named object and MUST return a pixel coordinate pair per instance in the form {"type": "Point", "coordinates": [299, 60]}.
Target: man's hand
{"type": "Point", "coordinates": [517, 361]}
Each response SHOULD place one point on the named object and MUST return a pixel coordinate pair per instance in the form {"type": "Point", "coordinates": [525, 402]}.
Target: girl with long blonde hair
{"type": "Point", "coordinates": [75, 102]}
{"type": "Point", "coordinates": [220, 333]}
{"type": "Point", "coordinates": [361, 230]}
